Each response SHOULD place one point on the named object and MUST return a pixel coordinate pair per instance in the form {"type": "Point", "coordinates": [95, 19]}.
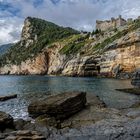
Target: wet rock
{"type": "Point", "coordinates": [136, 80]}
{"type": "Point", "coordinates": [6, 121]}
{"type": "Point", "coordinates": [60, 106]}
{"type": "Point", "coordinates": [21, 124]}
{"type": "Point", "coordinates": [135, 91]}
{"type": "Point", "coordinates": [124, 75]}
{"type": "Point", "coordinates": [24, 135]}
{"type": "Point", "coordinates": [95, 110]}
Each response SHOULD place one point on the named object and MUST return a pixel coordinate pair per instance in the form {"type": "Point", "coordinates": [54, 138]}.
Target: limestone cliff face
{"type": "Point", "coordinates": [37, 65]}
{"type": "Point", "coordinates": [33, 65]}
{"type": "Point", "coordinates": [118, 59]}
{"type": "Point", "coordinates": [68, 65]}
{"type": "Point", "coordinates": [56, 61]}
{"type": "Point", "coordinates": [28, 35]}
{"type": "Point", "coordinates": [80, 66]}
{"type": "Point", "coordinates": [123, 56]}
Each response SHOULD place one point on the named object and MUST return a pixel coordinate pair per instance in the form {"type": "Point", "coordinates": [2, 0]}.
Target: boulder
{"type": "Point", "coordinates": [60, 106]}
{"type": "Point", "coordinates": [6, 121]}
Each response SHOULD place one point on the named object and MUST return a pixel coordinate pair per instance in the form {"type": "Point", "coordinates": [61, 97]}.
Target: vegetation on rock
{"type": "Point", "coordinates": [46, 33]}
{"type": "Point", "coordinates": [73, 45]}
{"type": "Point", "coordinates": [135, 25]}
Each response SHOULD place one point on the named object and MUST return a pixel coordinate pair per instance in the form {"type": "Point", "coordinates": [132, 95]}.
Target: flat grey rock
{"type": "Point", "coordinates": [60, 106]}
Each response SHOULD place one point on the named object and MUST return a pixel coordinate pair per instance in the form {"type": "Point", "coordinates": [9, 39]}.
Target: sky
{"type": "Point", "coordinates": [78, 14]}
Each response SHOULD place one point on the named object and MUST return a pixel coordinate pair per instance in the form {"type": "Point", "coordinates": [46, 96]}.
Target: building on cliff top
{"type": "Point", "coordinates": [110, 24]}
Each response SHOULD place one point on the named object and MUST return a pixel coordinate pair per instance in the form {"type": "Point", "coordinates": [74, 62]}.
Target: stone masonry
{"type": "Point", "coordinates": [110, 24]}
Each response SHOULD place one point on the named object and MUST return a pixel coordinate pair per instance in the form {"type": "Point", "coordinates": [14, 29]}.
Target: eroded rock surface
{"type": "Point", "coordinates": [94, 122]}
{"type": "Point", "coordinates": [122, 57]}
{"type": "Point", "coordinates": [22, 135]}
{"type": "Point", "coordinates": [60, 106]}
{"type": "Point", "coordinates": [116, 52]}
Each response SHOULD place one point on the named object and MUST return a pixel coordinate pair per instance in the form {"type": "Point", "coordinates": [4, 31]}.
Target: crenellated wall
{"type": "Point", "coordinates": [110, 24]}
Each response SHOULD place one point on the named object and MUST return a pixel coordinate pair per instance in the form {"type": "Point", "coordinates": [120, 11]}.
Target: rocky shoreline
{"type": "Point", "coordinates": [135, 91]}
{"type": "Point", "coordinates": [94, 121]}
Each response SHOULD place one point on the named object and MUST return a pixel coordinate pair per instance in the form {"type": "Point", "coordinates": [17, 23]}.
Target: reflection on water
{"type": "Point", "coordinates": [29, 88]}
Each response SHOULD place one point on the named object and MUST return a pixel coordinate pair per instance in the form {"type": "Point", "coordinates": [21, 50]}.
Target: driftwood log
{"type": "Point", "coordinates": [5, 98]}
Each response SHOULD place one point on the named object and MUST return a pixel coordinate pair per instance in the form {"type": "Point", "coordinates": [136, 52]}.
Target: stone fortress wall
{"type": "Point", "coordinates": [110, 24]}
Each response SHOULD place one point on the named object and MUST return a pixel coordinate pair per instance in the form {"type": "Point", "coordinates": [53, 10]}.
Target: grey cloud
{"type": "Point", "coordinates": [10, 29]}
{"type": "Point", "coordinates": [79, 14]}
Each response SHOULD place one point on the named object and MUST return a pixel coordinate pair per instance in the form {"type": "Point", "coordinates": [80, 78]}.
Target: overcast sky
{"type": "Point", "coordinates": [79, 14]}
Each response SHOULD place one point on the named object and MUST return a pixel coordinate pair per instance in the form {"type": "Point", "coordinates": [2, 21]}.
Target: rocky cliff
{"type": "Point", "coordinates": [38, 65]}
{"type": "Point", "coordinates": [46, 48]}
{"type": "Point", "coordinates": [123, 56]}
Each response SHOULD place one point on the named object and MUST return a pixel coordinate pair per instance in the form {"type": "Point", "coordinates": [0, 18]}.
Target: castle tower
{"type": "Point", "coordinates": [110, 24]}
{"type": "Point", "coordinates": [112, 19]}
{"type": "Point", "coordinates": [120, 17]}
{"type": "Point", "coordinates": [120, 21]}
{"type": "Point", "coordinates": [113, 22]}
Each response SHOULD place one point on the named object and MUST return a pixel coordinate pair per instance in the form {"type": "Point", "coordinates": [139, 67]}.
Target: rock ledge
{"type": "Point", "coordinates": [60, 106]}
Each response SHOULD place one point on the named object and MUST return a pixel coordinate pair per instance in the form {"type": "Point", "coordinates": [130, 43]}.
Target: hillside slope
{"type": "Point", "coordinates": [36, 34]}
{"type": "Point", "coordinates": [4, 48]}
{"type": "Point", "coordinates": [46, 48]}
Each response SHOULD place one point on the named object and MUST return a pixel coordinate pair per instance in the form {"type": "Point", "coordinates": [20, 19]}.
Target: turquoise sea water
{"type": "Point", "coordinates": [31, 88]}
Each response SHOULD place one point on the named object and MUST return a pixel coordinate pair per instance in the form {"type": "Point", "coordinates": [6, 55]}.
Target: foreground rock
{"type": "Point", "coordinates": [4, 98]}
{"type": "Point", "coordinates": [6, 121]}
{"type": "Point", "coordinates": [94, 122]}
{"type": "Point", "coordinates": [22, 135]}
{"type": "Point", "coordinates": [60, 106]}
{"type": "Point", "coordinates": [110, 129]}
{"type": "Point", "coordinates": [135, 91]}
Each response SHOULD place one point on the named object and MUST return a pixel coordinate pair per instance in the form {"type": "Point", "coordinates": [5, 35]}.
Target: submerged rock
{"type": "Point", "coordinates": [6, 121]}
{"type": "Point", "coordinates": [60, 106]}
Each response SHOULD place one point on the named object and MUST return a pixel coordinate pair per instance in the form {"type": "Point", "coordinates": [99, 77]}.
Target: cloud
{"type": "Point", "coordinates": [10, 29]}
{"type": "Point", "coordinates": [79, 14]}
